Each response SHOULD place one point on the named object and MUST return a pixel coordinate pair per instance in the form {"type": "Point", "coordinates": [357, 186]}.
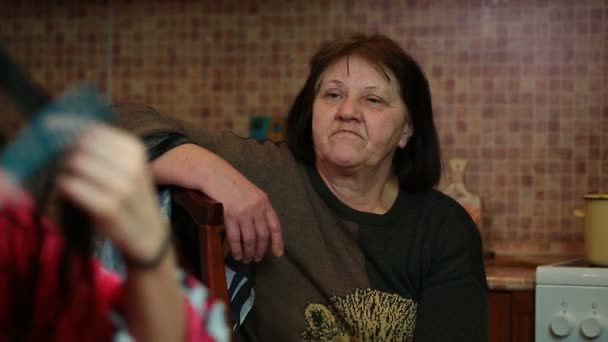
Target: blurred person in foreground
{"type": "Point", "coordinates": [369, 250]}
{"type": "Point", "coordinates": [52, 289]}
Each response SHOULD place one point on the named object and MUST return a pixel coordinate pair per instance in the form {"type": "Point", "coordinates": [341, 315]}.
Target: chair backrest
{"type": "Point", "coordinates": [197, 221]}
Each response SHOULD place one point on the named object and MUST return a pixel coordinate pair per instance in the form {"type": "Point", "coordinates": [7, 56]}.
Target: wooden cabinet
{"type": "Point", "coordinates": [511, 316]}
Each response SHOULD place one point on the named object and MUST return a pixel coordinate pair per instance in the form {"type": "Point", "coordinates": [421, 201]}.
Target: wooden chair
{"type": "Point", "coordinates": [197, 222]}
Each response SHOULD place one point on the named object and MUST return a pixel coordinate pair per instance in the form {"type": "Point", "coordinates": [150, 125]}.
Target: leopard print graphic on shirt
{"type": "Point", "coordinates": [364, 315]}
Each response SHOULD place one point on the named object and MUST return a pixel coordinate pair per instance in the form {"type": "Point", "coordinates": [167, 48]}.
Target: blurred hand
{"type": "Point", "coordinates": [9, 191]}
{"type": "Point", "coordinates": [106, 174]}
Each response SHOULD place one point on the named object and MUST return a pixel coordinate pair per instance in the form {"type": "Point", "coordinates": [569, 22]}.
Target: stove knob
{"type": "Point", "coordinates": [560, 326]}
{"type": "Point", "coordinates": [590, 327]}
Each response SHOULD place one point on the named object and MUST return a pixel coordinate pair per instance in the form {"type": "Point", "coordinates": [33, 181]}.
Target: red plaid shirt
{"type": "Point", "coordinates": [90, 309]}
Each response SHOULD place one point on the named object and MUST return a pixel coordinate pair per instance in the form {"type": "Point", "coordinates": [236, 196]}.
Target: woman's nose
{"type": "Point", "coordinates": [349, 110]}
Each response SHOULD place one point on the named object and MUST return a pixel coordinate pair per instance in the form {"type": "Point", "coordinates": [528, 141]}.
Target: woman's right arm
{"type": "Point", "coordinates": [252, 225]}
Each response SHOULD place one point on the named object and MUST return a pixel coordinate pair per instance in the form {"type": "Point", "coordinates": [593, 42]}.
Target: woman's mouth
{"type": "Point", "coordinates": [346, 132]}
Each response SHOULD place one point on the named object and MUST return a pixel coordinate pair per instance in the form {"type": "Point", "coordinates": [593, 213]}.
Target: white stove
{"type": "Point", "coordinates": [571, 302]}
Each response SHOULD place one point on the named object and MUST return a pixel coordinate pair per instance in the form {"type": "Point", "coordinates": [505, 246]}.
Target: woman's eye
{"type": "Point", "coordinates": [374, 100]}
{"type": "Point", "coordinates": [333, 95]}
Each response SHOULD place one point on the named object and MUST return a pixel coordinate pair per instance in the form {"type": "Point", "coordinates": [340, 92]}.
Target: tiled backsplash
{"type": "Point", "coordinates": [520, 87]}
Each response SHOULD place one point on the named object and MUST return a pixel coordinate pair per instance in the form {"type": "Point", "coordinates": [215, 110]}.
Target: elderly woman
{"type": "Point", "coordinates": [371, 251]}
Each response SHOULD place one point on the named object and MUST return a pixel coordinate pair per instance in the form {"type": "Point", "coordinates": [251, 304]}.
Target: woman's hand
{"type": "Point", "coordinates": [252, 225]}
{"type": "Point", "coordinates": [9, 191]}
{"type": "Point", "coordinates": [106, 174]}
{"type": "Point", "coordinates": [250, 220]}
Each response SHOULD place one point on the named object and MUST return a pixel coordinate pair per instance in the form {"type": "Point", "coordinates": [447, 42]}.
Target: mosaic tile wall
{"type": "Point", "coordinates": [520, 87]}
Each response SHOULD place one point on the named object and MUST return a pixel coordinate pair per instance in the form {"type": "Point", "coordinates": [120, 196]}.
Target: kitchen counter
{"type": "Point", "coordinates": [516, 273]}
{"type": "Point", "coordinates": [511, 301]}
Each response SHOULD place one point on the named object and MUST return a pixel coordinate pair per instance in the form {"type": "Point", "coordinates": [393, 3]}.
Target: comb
{"type": "Point", "coordinates": [52, 130]}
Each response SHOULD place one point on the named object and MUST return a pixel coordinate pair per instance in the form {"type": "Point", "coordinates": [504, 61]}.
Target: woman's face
{"type": "Point", "coordinates": [358, 118]}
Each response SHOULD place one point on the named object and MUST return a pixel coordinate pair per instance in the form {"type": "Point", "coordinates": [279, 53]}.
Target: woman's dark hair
{"type": "Point", "coordinates": [418, 165]}
{"type": "Point", "coordinates": [76, 228]}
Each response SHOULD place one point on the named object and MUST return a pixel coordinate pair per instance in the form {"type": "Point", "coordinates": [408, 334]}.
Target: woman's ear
{"type": "Point", "coordinates": [405, 137]}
